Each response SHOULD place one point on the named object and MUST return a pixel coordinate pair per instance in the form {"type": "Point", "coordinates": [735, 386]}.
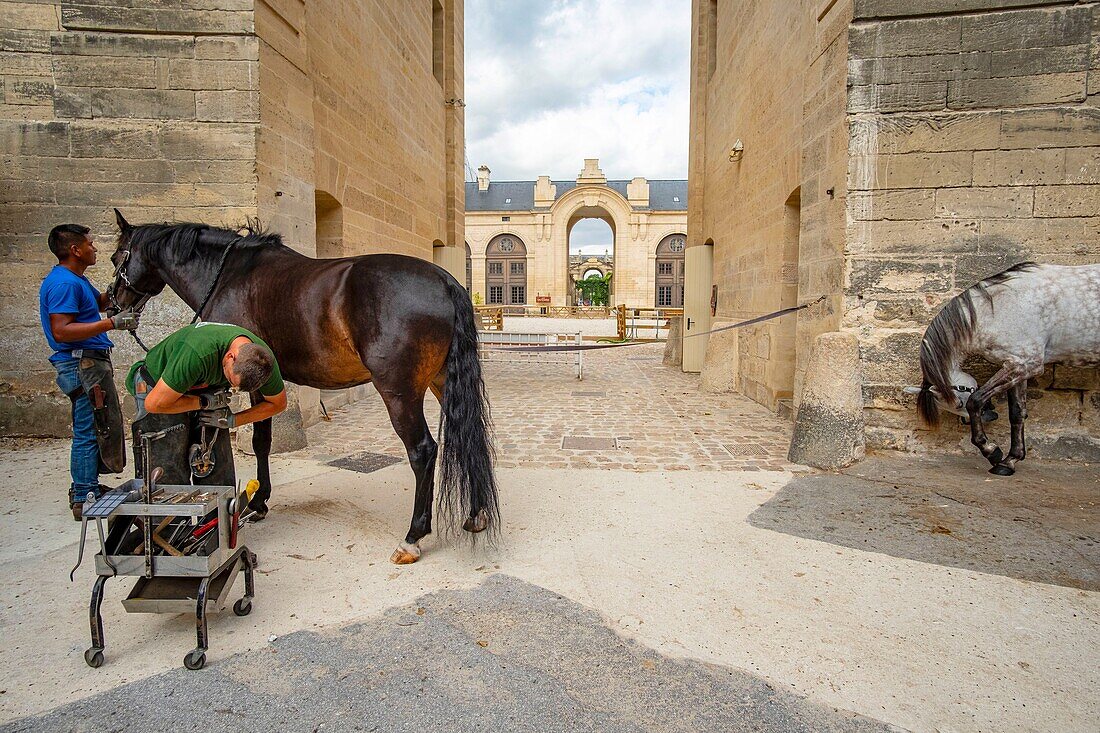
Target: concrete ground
{"type": "Point", "coordinates": [913, 593]}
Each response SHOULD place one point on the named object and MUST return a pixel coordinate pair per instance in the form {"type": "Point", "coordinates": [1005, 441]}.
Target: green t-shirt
{"type": "Point", "coordinates": [192, 357]}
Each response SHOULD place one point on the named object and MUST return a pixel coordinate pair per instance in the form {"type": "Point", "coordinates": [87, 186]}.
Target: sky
{"type": "Point", "coordinates": [552, 82]}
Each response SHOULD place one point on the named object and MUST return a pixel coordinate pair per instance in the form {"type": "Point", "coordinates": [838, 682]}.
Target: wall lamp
{"type": "Point", "coordinates": [737, 151]}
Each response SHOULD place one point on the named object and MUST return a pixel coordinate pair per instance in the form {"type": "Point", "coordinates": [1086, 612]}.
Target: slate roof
{"type": "Point", "coordinates": [520, 195]}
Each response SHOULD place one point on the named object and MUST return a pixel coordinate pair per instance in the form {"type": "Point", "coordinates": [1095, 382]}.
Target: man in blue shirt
{"type": "Point", "coordinates": [69, 308]}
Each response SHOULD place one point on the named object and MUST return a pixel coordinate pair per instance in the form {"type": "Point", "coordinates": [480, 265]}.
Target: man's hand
{"type": "Point", "coordinates": [214, 400]}
{"type": "Point", "coordinates": [124, 321]}
{"type": "Point", "coordinates": [221, 418]}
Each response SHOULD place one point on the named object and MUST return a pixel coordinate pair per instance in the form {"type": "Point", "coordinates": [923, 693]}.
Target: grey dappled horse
{"type": "Point", "coordinates": [1023, 318]}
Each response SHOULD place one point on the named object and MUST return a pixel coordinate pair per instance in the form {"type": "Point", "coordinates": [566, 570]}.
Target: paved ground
{"type": "Point", "coordinates": [655, 414]}
{"type": "Point", "coordinates": [919, 593]}
{"type": "Point", "coordinates": [503, 656]}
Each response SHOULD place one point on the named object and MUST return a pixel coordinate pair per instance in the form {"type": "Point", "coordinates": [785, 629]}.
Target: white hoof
{"type": "Point", "coordinates": [405, 554]}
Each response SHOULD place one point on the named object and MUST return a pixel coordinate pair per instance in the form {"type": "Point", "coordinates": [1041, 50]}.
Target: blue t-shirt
{"type": "Point", "coordinates": [63, 291]}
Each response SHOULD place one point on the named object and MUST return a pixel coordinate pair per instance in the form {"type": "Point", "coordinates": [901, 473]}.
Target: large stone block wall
{"type": "Point", "coordinates": [217, 111]}
{"type": "Point", "coordinates": [974, 144]}
{"type": "Point", "coordinates": [152, 109]}
{"type": "Point", "coordinates": [776, 217]}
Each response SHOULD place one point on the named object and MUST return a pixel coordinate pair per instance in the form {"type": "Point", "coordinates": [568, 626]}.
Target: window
{"type": "Point", "coordinates": [664, 268]}
{"type": "Point", "coordinates": [664, 296]}
{"type": "Point", "coordinates": [496, 268]}
{"type": "Point", "coordinates": [437, 40]}
{"type": "Point", "coordinates": [506, 218]}
{"type": "Point", "coordinates": [519, 294]}
{"type": "Point", "coordinates": [507, 201]}
{"type": "Point", "coordinates": [682, 266]}
{"type": "Point", "coordinates": [516, 268]}
{"type": "Point", "coordinates": [496, 294]}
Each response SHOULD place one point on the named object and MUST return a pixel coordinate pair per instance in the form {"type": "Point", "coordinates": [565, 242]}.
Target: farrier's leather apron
{"type": "Point", "coordinates": [97, 381]}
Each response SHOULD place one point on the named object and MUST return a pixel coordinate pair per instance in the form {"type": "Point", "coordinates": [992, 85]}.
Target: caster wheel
{"type": "Point", "coordinates": [243, 607]}
{"type": "Point", "coordinates": [195, 660]}
{"type": "Point", "coordinates": [94, 657]}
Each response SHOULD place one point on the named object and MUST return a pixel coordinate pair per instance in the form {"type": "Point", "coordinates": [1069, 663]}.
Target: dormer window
{"type": "Point", "coordinates": [507, 201]}
{"type": "Point", "coordinates": [676, 199]}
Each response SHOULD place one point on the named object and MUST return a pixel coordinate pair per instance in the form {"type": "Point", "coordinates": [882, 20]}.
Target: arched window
{"type": "Point", "coordinates": [506, 271]}
{"type": "Point", "coordinates": [669, 278]}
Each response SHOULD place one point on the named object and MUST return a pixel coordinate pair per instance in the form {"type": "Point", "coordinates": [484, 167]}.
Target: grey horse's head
{"type": "Point", "coordinates": [962, 386]}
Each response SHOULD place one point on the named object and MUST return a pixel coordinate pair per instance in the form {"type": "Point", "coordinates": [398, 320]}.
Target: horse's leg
{"type": "Point", "coordinates": [261, 446]}
{"type": "Point", "coordinates": [407, 415]}
{"type": "Point", "coordinates": [438, 384]}
{"type": "Point", "coordinates": [1017, 397]}
{"type": "Point", "coordinates": [1006, 378]}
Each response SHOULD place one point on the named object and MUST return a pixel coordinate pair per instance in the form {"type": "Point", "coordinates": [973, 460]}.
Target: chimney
{"type": "Point", "coordinates": [483, 177]}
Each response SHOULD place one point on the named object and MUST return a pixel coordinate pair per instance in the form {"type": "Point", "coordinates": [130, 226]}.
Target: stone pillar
{"type": "Point", "coordinates": [721, 364]}
{"type": "Point", "coordinates": [828, 430]}
{"type": "Point", "coordinates": [287, 428]}
{"type": "Point", "coordinates": [674, 346]}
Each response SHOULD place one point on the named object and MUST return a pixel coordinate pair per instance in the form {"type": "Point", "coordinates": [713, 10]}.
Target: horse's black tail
{"type": "Point", "coordinates": [467, 486]}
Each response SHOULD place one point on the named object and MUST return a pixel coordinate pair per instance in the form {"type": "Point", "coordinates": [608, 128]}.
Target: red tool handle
{"type": "Point", "coordinates": [204, 528]}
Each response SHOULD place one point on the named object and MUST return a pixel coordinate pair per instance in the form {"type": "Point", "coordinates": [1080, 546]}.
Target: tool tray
{"type": "Point", "coordinates": [214, 552]}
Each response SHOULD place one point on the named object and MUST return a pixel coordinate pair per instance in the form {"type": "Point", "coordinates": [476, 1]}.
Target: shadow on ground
{"type": "Point", "coordinates": [503, 656]}
{"type": "Point", "coordinates": [1043, 524]}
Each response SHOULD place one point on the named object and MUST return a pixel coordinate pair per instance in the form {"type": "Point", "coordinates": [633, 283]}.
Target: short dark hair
{"type": "Point", "coordinates": [254, 365]}
{"type": "Point", "coordinates": [64, 236]}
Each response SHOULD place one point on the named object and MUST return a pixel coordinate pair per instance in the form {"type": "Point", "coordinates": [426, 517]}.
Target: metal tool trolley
{"type": "Point", "coordinates": [184, 549]}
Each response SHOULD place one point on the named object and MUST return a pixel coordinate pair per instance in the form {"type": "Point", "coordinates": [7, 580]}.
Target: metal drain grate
{"type": "Point", "coordinates": [587, 442]}
{"type": "Point", "coordinates": [579, 393]}
{"type": "Point", "coordinates": [745, 449]}
{"type": "Point", "coordinates": [364, 462]}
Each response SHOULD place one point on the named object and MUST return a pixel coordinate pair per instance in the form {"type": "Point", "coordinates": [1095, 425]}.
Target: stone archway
{"type": "Point", "coordinates": [506, 271]}
{"type": "Point", "coordinates": [594, 202]}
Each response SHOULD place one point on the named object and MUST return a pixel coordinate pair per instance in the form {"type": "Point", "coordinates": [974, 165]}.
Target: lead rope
{"type": "Point", "coordinates": [214, 284]}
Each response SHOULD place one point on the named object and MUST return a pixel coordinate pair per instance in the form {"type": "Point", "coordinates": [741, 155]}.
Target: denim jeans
{"type": "Point", "coordinates": [84, 455]}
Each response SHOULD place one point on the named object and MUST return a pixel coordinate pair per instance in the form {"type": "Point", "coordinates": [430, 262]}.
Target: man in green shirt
{"type": "Point", "coordinates": [191, 371]}
{"type": "Point", "coordinates": [208, 356]}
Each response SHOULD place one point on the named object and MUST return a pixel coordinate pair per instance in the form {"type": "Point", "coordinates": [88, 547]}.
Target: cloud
{"type": "Point", "coordinates": [551, 83]}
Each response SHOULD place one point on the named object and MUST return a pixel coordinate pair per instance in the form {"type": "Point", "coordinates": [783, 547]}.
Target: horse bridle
{"type": "Point", "coordinates": [121, 276]}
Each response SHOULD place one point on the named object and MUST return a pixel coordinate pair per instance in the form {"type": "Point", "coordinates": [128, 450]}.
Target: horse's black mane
{"type": "Point", "coordinates": [952, 327]}
{"type": "Point", "coordinates": [184, 237]}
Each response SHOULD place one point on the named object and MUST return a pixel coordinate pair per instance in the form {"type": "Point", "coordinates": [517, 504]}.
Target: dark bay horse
{"type": "Point", "coordinates": [399, 322]}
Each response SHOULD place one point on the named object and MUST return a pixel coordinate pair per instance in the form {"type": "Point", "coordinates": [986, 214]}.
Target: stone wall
{"type": "Point", "coordinates": [974, 144]}
{"type": "Point", "coordinates": [151, 109]}
{"type": "Point", "coordinates": [776, 215]}
{"type": "Point", "coordinates": [216, 111]}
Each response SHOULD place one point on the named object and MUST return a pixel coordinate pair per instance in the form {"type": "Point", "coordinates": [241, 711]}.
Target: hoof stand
{"type": "Point", "coordinates": [405, 554]}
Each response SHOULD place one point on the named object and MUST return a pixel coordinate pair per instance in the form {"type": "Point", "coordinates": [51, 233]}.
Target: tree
{"type": "Point", "coordinates": [595, 288]}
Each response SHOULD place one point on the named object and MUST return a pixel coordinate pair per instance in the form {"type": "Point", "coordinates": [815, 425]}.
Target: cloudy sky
{"type": "Point", "coordinates": [551, 82]}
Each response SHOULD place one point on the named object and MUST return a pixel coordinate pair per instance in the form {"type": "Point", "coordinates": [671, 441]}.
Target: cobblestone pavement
{"type": "Point", "coordinates": [651, 418]}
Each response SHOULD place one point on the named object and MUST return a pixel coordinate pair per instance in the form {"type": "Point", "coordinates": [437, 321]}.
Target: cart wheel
{"type": "Point", "coordinates": [243, 607]}
{"type": "Point", "coordinates": [94, 657]}
{"type": "Point", "coordinates": [195, 659]}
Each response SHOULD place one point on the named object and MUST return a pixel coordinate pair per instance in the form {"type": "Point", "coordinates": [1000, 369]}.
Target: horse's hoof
{"type": "Point", "coordinates": [405, 554]}
{"type": "Point", "coordinates": [259, 511]}
{"type": "Point", "coordinates": [477, 523]}
{"type": "Point", "coordinates": [995, 457]}
{"type": "Point", "coordinates": [1002, 469]}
